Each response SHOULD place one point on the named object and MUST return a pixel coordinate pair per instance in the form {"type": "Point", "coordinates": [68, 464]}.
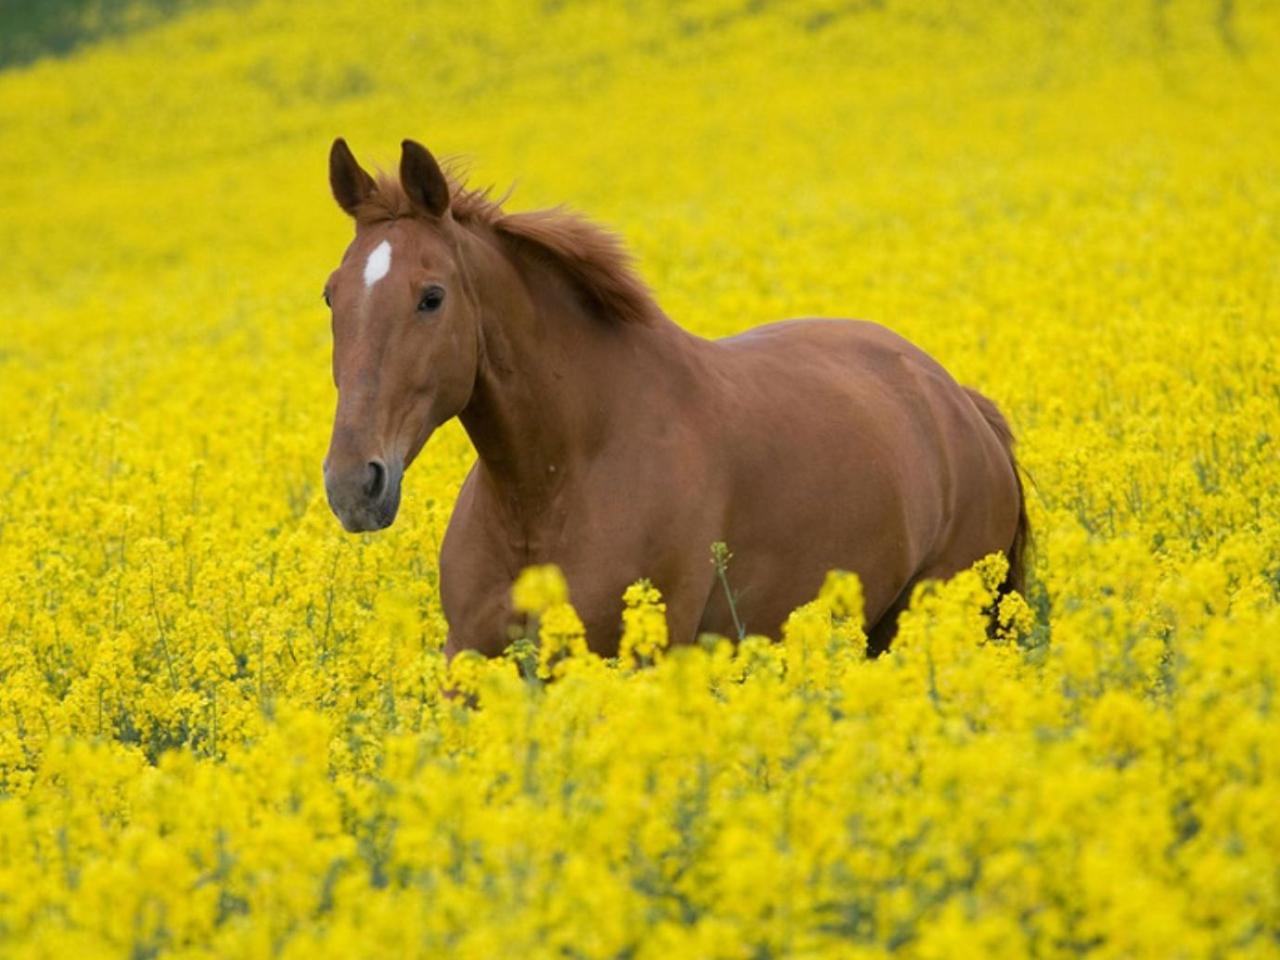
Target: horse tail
{"type": "Point", "coordinates": [1016, 579]}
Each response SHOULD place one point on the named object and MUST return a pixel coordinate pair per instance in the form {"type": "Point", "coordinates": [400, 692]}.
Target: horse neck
{"type": "Point", "coordinates": [552, 378]}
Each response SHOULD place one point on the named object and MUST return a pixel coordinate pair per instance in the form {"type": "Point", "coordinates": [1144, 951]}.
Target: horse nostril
{"type": "Point", "coordinates": [377, 479]}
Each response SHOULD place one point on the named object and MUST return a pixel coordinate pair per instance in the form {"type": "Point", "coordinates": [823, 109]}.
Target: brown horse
{"type": "Point", "coordinates": [617, 445]}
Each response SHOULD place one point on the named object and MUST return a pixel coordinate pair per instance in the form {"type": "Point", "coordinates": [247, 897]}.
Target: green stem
{"type": "Point", "coordinates": [720, 557]}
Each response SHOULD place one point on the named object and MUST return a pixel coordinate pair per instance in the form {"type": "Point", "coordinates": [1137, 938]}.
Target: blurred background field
{"type": "Point", "coordinates": [220, 728]}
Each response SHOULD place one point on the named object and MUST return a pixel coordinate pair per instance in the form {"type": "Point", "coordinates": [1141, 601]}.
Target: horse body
{"type": "Point", "coordinates": [619, 446]}
{"type": "Point", "coordinates": [805, 445]}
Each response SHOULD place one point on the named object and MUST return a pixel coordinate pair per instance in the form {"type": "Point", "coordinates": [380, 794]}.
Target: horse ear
{"type": "Point", "coordinates": [351, 186]}
{"type": "Point", "coordinates": [422, 179]}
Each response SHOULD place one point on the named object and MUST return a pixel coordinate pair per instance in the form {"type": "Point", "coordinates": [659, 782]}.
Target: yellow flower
{"type": "Point", "coordinates": [561, 637]}
{"type": "Point", "coordinates": [842, 593]}
{"type": "Point", "coordinates": [538, 589]}
{"type": "Point", "coordinates": [227, 728]}
{"type": "Point", "coordinates": [644, 624]}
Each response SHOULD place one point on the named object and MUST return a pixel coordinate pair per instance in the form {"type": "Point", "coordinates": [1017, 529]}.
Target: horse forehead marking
{"type": "Point", "coordinates": [379, 262]}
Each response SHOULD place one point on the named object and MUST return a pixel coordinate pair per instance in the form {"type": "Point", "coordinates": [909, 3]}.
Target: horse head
{"type": "Point", "coordinates": [405, 330]}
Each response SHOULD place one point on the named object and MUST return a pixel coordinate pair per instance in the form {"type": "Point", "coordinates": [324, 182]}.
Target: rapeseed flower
{"type": "Point", "coordinates": [229, 729]}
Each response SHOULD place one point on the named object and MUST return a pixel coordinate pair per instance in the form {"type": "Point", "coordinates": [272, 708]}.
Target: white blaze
{"type": "Point", "coordinates": [379, 262]}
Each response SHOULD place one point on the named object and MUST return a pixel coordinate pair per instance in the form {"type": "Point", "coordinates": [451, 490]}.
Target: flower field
{"type": "Point", "coordinates": [222, 726]}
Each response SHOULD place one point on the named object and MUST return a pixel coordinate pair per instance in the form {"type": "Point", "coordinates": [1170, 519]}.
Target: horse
{"type": "Point", "coordinates": [617, 445]}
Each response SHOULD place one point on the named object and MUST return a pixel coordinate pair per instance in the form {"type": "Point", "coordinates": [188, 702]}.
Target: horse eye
{"type": "Point", "coordinates": [325, 297]}
{"type": "Point", "coordinates": [431, 299]}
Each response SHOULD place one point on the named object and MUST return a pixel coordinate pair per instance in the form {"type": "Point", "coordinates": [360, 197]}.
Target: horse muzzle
{"type": "Point", "coordinates": [364, 496]}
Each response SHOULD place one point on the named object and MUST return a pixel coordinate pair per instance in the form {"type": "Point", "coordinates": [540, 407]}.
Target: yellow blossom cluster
{"type": "Point", "coordinates": [227, 728]}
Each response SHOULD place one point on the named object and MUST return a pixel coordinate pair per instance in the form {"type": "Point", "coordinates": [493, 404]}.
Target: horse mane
{"type": "Point", "coordinates": [593, 258]}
